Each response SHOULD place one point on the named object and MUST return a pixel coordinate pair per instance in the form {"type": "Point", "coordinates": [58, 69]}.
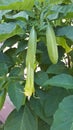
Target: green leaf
{"type": "Point", "coordinates": [3, 12]}
{"type": "Point", "coordinates": [21, 46]}
{"type": "Point", "coordinates": [2, 81]}
{"type": "Point", "coordinates": [2, 98]}
{"type": "Point", "coordinates": [63, 9]}
{"type": "Point", "coordinates": [72, 1]}
{"type": "Point", "coordinates": [16, 4]}
{"type": "Point", "coordinates": [10, 42]}
{"type": "Point", "coordinates": [3, 69]}
{"type": "Point", "coordinates": [22, 15]}
{"type": "Point", "coordinates": [41, 77]}
{"type": "Point", "coordinates": [71, 127]}
{"type": "Point", "coordinates": [43, 125]}
{"type": "Point", "coordinates": [8, 30]}
{"type": "Point", "coordinates": [5, 59]}
{"type": "Point", "coordinates": [62, 42]}
{"type": "Point", "coordinates": [52, 100]}
{"type": "Point", "coordinates": [53, 16]}
{"type": "Point", "coordinates": [22, 120]}
{"type": "Point", "coordinates": [37, 105]}
{"type": "Point", "coordinates": [63, 118]}
{"type": "Point", "coordinates": [55, 1]}
{"type": "Point", "coordinates": [47, 102]}
{"type": "Point", "coordinates": [17, 71]}
{"type": "Point", "coordinates": [1, 127]}
{"type": "Point", "coordinates": [66, 31]}
{"type": "Point", "coordinates": [62, 80]}
{"type": "Point", "coordinates": [15, 90]}
{"type": "Point", "coordinates": [41, 0]}
{"type": "Point", "coordinates": [58, 68]}
{"type": "Point", "coordinates": [43, 57]}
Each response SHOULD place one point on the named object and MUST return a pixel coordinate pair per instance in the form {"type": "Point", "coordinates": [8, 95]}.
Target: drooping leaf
{"type": "Point", "coordinates": [24, 119]}
{"type": "Point", "coordinates": [63, 118]}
